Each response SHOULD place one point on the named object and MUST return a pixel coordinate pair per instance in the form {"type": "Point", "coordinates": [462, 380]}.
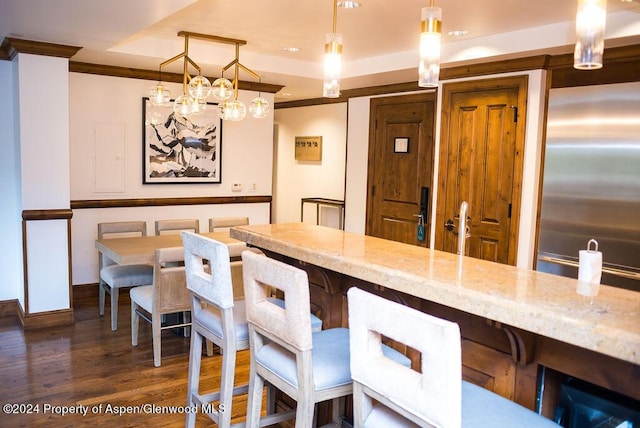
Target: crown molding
{"type": "Point", "coordinates": [12, 46]}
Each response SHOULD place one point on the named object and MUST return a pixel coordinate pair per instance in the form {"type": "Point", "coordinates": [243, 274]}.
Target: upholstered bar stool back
{"type": "Point", "coordinates": [427, 397]}
{"type": "Point", "coordinates": [219, 224]}
{"type": "Point", "coordinates": [113, 276]}
{"type": "Point", "coordinates": [176, 226]}
{"type": "Point", "coordinates": [167, 295]}
{"type": "Point", "coordinates": [308, 367]}
{"type": "Point", "coordinates": [406, 398]}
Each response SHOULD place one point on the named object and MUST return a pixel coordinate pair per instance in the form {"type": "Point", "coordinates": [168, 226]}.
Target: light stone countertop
{"type": "Point", "coordinates": [545, 304]}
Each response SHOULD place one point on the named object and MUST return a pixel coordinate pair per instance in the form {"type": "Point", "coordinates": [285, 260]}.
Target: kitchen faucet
{"type": "Point", "coordinates": [463, 230]}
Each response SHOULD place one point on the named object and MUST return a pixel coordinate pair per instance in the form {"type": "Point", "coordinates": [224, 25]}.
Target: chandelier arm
{"type": "Point", "coordinates": [251, 72]}
{"type": "Point", "coordinates": [234, 62]}
{"type": "Point", "coordinates": [335, 15]}
{"type": "Point", "coordinates": [235, 78]}
{"type": "Point", "coordinates": [175, 58]}
{"type": "Point", "coordinates": [196, 66]}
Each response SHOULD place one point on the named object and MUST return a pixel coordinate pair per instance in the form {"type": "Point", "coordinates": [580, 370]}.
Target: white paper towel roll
{"type": "Point", "coordinates": [590, 265]}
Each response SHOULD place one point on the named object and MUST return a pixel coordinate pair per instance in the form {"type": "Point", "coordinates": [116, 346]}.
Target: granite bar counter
{"type": "Point", "coordinates": [556, 321]}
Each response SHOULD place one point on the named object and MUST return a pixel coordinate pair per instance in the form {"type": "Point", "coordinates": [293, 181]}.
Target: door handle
{"type": "Point", "coordinates": [449, 225]}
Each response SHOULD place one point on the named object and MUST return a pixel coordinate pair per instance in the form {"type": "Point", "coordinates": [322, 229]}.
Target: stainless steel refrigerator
{"type": "Point", "coordinates": [591, 183]}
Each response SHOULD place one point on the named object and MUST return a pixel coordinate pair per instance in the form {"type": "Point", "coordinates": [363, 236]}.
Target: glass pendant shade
{"type": "Point", "coordinates": [232, 110]}
{"type": "Point", "coordinates": [430, 42]}
{"type": "Point", "coordinates": [199, 106]}
{"type": "Point", "coordinates": [259, 108]}
{"type": "Point", "coordinates": [159, 95]}
{"type": "Point", "coordinates": [183, 105]}
{"type": "Point", "coordinates": [222, 89]}
{"type": "Point", "coordinates": [154, 117]}
{"type": "Point", "coordinates": [199, 87]}
{"type": "Point", "coordinates": [332, 65]}
{"type": "Point", "coordinates": [590, 25]}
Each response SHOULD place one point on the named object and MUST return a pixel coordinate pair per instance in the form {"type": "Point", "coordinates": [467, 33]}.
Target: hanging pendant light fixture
{"type": "Point", "coordinates": [430, 42]}
{"type": "Point", "coordinates": [591, 19]}
{"type": "Point", "coordinates": [332, 59]}
{"type": "Point", "coordinates": [196, 90]}
{"type": "Point", "coordinates": [160, 95]}
{"type": "Point", "coordinates": [259, 107]}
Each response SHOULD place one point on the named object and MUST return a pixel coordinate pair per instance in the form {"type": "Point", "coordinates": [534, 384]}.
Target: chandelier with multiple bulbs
{"type": "Point", "coordinates": [196, 89]}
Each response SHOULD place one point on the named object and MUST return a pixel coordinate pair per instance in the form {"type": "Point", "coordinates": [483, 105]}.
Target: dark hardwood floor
{"type": "Point", "coordinates": [86, 364]}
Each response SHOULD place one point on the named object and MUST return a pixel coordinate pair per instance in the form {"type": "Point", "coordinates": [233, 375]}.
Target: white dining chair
{"type": "Point", "coordinates": [219, 224]}
{"type": "Point", "coordinates": [113, 277]}
{"type": "Point", "coordinates": [167, 295]}
{"type": "Point", "coordinates": [175, 226]}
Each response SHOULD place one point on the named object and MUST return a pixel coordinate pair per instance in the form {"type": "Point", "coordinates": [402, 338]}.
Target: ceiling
{"type": "Point", "coordinates": [380, 37]}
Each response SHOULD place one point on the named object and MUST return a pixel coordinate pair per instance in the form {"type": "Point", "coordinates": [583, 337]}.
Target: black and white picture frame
{"type": "Point", "coordinates": [178, 149]}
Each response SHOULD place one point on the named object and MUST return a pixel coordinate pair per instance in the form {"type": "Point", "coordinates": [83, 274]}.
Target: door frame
{"type": "Point", "coordinates": [521, 82]}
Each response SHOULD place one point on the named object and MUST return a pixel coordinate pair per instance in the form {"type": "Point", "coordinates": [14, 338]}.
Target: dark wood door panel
{"type": "Point", "coordinates": [481, 163]}
{"type": "Point", "coordinates": [400, 165]}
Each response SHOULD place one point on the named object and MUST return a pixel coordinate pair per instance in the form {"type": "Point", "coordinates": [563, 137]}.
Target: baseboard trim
{"type": "Point", "coordinates": [9, 308]}
{"type": "Point", "coordinates": [45, 319]}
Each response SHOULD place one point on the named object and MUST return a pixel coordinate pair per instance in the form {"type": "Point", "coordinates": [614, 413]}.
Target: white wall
{"type": "Point", "coordinates": [294, 179]}
{"type": "Point", "coordinates": [11, 286]}
{"type": "Point", "coordinates": [247, 152]}
{"type": "Point", "coordinates": [357, 164]}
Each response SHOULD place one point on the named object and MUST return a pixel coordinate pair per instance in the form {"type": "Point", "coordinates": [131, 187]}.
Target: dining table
{"type": "Point", "coordinates": [141, 249]}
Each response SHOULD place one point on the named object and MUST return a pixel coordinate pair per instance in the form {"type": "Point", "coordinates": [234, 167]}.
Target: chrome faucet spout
{"type": "Point", "coordinates": [462, 227]}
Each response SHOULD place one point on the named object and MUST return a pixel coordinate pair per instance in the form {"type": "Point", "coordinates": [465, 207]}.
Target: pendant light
{"type": "Point", "coordinates": [196, 90]}
{"type": "Point", "coordinates": [160, 95]}
{"type": "Point", "coordinates": [332, 59]}
{"type": "Point", "coordinates": [590, 24]}
{"type": "Point", "coordinates": [259, 107]}
{"type": "Point", "coordinates": [430, 42]}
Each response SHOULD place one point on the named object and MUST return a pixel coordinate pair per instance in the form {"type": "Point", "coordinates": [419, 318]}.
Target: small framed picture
{"type": "Point", "coordinates": [308, 148]}
{"type": "Point", "coordinates": [401, 145]}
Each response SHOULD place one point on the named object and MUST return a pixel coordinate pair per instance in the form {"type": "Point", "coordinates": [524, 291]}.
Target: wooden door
{"type": "Point", "coordinates": [481, 163]}
{"type": "Point", "coordinates": [400, 167]}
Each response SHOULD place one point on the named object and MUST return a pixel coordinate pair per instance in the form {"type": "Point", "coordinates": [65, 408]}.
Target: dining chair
{"type": "Point", "coordinates": [218, 318]}
{"type": "Point", "coordinates": [112, 276]}
{"type": "Point", "coordinates": [167, 295]}
{"type": "Point", "coordinates": [387, 394]}
{"type": "Point", "coordinates": [219, 224]}
{"type": "Point", "coordinates": [285, 353]}
{"type": "Point", "coordinates": [175, 226]}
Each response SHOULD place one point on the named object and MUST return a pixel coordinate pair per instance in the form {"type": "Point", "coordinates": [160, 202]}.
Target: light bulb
{"type": "Point", "coordinates": [183, 105]}
{"type": "Point", "coordinates": [199, 87]}
{"type": "Point", "coordinates": [199, 106]}
{"type": "Point", "coordinates": [259, 108]}
{"type": "Point", "coordinates": [159, 95]}
{"type": "Point", "coordinates": [232, 110]}
{"type": "Point", "coordinates": [222, 89]}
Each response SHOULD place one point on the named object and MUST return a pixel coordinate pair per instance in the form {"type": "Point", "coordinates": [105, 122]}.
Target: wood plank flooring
{"type": "Point", "coordinates": [86, 364]}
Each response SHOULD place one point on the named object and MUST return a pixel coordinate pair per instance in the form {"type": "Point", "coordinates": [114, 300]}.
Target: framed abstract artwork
{"type": "Point", "coordinates": [178, 149]}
